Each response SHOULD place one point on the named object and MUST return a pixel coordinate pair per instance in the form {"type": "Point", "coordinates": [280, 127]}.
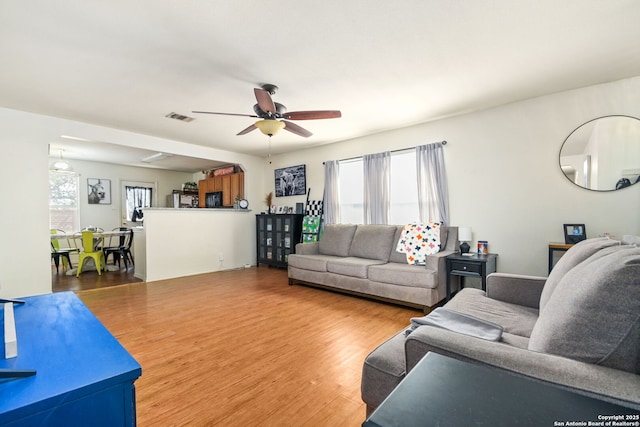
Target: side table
{"type": "Point", "coordinates": [470, 266]}
{"type": "Point", "coordinates": [555, 247]}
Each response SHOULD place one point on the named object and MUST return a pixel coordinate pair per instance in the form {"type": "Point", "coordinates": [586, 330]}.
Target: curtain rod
{"type": "Point", "coordinates": [392, 151]}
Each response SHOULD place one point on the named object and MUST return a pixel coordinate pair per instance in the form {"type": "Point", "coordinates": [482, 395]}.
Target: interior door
{"type": "Point", "coordinates": [129, 202]}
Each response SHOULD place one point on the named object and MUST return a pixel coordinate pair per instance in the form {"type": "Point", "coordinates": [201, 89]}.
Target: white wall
{"type": "Point", "coordinates": [109, 216]}
{"type": "Point", "coordinates": [184, 242]}
{"type": "Point", "coordinates": [503, 171]}
{"type": "Point", "coordinates": [24, 190]}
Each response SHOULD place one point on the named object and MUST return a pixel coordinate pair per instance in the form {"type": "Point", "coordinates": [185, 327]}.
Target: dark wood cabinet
{"type": "Point", "coordinates": [277, 235]}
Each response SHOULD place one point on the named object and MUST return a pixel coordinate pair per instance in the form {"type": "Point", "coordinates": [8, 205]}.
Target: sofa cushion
{"type": "Point", "coordinates": [416, 276]}
{"type": "Point", "coordinates": [352, 266]}
{"type": "Point", "coordinates": [336, 239]}
{"type": "Point", "coordinates": [394, 255]}
{"type": "Point", "coordinates": [515, 319]}
{"type": "Point", "coordinates": [594, 313]}
{"type": "Point", "coordinates": [574, 256]}
{"type": "Point", "coordinates": [310, 262]}
{"type": "Point", "coordinates": [373, 241]}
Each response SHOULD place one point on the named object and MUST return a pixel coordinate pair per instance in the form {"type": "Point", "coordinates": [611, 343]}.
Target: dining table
{"type": "Point", "coordinates": [98, 242]}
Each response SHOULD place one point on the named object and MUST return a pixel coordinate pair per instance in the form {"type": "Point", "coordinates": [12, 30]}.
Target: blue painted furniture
{"type": "Point", "coordinates": [84, 376]}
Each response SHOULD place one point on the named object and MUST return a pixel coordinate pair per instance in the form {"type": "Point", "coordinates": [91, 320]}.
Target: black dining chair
{"type": "Point", "coordinates": [56, 254]}
{"type": "Point", "coordinates": [122, 249]}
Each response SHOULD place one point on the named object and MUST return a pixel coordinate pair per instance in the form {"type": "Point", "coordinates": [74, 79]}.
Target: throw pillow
{"type": "Point", "coordinates": [594, 313]}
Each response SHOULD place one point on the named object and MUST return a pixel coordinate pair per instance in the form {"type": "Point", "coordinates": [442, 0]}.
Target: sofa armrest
{"type": "Point", "coordinates": [515, 289]}
{"type": "Point", "coordinates": [593, 380]}
{"type": "Point", "coordinates": [437, 261]}
{"type": "Point", "coordinates": [309, 248]}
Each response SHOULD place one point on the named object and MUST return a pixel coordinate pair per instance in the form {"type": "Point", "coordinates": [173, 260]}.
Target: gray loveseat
{"type": "Point", "coordinates": [579, 328]}
{"type": "Point", "coordinates": [362, 260]}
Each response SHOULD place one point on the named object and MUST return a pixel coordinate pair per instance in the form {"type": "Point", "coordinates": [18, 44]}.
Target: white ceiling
{"type": "Point", "coordinates": [385, 64]}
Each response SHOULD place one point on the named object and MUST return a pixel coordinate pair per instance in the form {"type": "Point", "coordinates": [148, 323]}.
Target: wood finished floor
{"type": "Point", "coordinates": [243, 348]}
{"type": "Point", "coordinates": [90, 279]}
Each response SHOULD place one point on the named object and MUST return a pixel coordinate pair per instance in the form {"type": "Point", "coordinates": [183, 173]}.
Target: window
{"type": "Point", "coordinates": [404, 189]}
{"type": "Point", "coordinates": [64, 196]}
{"type": "Point", "coordinates": [351, 187]}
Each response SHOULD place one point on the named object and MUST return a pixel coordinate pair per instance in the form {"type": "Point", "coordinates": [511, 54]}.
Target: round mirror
{"type": "Point", "coordinates": [603, 154]}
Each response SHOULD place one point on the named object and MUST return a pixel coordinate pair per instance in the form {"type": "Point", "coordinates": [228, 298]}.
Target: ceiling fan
{"type": "Point", "coordinates": [273, 113]}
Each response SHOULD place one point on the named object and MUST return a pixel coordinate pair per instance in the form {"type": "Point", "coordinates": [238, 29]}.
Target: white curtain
{"type": "Point", "coordinates": [377, 182]}
{"type": "Point", "coordinates": [433, 197]}
{"type": "Point", "coordinates": [331, 192]}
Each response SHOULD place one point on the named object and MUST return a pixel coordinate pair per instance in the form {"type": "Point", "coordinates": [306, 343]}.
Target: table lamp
{"type": "Point", "coordinates": [464, 236]}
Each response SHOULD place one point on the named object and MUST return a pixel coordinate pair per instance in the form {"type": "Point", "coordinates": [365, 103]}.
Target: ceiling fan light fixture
{"type": "Point", "coordinates": [270, 127]}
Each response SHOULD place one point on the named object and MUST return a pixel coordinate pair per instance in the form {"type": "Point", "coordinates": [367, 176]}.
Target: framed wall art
{"type": "Point", "coordinates": [291, 181]}
{"type": "Point", "coordinates": [99, 191]}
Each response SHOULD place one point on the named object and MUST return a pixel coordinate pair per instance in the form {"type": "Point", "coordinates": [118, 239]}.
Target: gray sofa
{"type": "Point", "coordinates": [362, 260]}
{"type": "Point", "coordinates": [579, 328]}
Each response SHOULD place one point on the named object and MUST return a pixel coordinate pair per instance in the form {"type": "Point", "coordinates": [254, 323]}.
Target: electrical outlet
{"type": "Point", "coordinates": [221, 257]}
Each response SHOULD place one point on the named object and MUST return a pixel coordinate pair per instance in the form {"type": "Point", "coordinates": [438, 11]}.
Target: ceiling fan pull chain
{"type": "Point", "coordinates": [269, 149]}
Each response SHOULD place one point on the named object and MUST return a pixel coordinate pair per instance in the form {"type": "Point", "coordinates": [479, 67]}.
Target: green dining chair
{"type": "Point", "coordinates": [91, 248]}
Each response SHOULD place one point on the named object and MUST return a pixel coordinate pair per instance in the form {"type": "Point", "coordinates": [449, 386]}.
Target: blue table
{"type": "Point", "coordinates": [84, 376]}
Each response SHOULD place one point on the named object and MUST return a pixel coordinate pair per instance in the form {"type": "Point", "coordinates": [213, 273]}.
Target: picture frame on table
{"type": "Point", "coordinates": [574, 233]}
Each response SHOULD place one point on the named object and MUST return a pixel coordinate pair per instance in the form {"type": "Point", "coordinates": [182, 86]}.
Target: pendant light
{"type": "Point", "coordinates": [61, 165]}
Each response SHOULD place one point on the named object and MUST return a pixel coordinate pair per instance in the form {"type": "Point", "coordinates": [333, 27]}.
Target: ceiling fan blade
{"type": "Point", "coordinates": [247, 130]}
{"type": "Point", "coordinates": [312, 115]}
{"type": "Point", "coordinates": [294, 128]}
{"type": "Point", "coordinates": [224, 114]}
{"type": "Point", "coordinates": [264, 100]}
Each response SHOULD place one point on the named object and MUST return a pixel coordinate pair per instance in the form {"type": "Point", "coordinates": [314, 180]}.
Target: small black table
{"type": "Point", "coordinates": [473, 265]}
{"type": "Point", "coordinates": [442, 391]}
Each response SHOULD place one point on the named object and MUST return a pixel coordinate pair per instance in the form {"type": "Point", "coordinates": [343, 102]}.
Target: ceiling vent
{"type": "Point", "coordinates": [180, 117]}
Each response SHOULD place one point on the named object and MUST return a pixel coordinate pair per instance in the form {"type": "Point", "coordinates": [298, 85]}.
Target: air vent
{"type": "Point", "coordinates": [180, 117]}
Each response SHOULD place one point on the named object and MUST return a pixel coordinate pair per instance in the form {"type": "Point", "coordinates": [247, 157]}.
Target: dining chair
{"type": "Point", "coordinates": [92, 243]}
{"type": "Point", "coordinates": [122, 249]}
{"type": "Point", "coordinates": [56, 254]}
{"type": "Point", "coordinates": [62, 244]}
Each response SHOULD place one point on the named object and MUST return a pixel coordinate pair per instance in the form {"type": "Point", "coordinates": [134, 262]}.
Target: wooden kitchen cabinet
{"type": "Point", "coordinates": [231, 185]}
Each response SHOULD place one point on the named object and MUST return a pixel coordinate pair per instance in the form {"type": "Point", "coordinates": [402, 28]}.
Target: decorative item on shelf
{"type": "Point", "coordinates": [267, 201]}
{"type": "Point", "coordinates": [243, 204]}
{"type": "Point", "coordinates": [483, 247]}
{"type": "Point", "coordinates": [464, 236]}
{"type": "Point", "coordinates": [574, 233]}
{"type": "Point", "coordinates": [228, 170]}
{"type": "Point", "coordinates": [190, 186]}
